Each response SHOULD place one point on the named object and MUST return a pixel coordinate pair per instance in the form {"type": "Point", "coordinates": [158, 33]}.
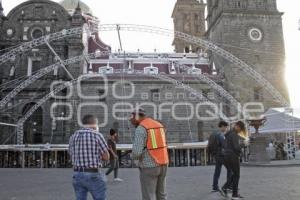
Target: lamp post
{"type": "Point", "coordinates": [258, 152]}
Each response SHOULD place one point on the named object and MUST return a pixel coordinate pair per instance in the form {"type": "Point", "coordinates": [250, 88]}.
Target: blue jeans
{"type": "Point", "coordinates": [218, 169]}
{"type": "Point", "coordinates": [84, 182]}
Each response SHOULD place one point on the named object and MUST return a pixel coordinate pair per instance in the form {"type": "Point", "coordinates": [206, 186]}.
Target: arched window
{"type": "Point", "coordinates": [172, 68]}
{"type": "Point", "coordinates": [12, 71]}
{"type": "Point", "coordinates": [33, 127]}
{"type": "Point", "coordinates": [186, 49]}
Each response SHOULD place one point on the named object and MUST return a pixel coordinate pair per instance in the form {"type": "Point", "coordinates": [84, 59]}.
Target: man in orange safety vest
{"type": "Point", "coordinates": [150, 148]}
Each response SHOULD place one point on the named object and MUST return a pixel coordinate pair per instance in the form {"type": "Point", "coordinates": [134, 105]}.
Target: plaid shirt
{"type": "Point", "coordinates": [86, 147]}
{"type": "Point", "coordinates": [139, 150]}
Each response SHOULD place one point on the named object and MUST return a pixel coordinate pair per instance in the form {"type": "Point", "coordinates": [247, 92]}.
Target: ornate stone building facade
{"type": "Point", "coordinates": [251, 31]}
{"type": "Point", "coordinates": [188, 17]}
{"type": "Point", "coordinates": [27, 21]}
{"type": "Point", "coordinates": [35, 18]}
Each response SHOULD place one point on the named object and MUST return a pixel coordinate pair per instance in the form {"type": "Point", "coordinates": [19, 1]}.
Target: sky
{"type": "Point", "coordinates": [158, 13]}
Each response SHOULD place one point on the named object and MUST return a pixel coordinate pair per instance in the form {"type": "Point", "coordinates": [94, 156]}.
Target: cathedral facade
{"type": "Point", "coordinates": [248, 30]}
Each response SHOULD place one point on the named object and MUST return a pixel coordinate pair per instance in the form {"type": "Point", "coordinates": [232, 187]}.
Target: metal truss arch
{"type": "Point", "coordinates": [215, 86]}
{"type": "Point", "coordinates": [208, 45]}
{"type": "Point", "coordinates": [21, 121]}
{"type": "Point", "coordinates": [161, 31]}
{"type": "Point", "coordinates": [43, 72]}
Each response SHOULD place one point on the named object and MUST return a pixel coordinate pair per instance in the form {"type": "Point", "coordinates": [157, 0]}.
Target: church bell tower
{"type": "Point", "coordinates": [188, 17]}
{"type": "Point", "coordinates": [252, 31]}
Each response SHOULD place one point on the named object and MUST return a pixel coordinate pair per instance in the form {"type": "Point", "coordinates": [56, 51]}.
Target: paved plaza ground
{"type": "Point", "coordinates": [257, 183]}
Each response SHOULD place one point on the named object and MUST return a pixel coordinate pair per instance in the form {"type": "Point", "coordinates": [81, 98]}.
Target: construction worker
{"type": "Point", "coordinates": [150, 148]}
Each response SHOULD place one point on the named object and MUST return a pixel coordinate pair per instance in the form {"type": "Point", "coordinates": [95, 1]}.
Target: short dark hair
{"type": "Point", "coordinates": [241, 125]}
{"type": "Point", "coordinates": [138, 114]}
{"type": "Point", "coordinates": [112, 131]}
{"type": "Point", "coordinates": [89, 120]}
{"type": "Point", "coordinates": [222, 123]}
{"type": "Point", "coordinates": [142, 115]}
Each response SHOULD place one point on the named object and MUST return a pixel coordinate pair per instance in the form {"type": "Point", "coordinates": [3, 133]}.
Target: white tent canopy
{"type": "Point", "coordinates": [280, 121]}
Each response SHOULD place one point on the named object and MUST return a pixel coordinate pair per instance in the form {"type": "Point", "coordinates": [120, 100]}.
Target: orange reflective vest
{"type": "Point", "coordinates": [156, 141]}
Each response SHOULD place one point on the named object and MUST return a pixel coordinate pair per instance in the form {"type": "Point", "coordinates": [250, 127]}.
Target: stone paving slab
{"type": "Point", "coordinates": [276, 163]}
{"type": "Point", "coordinates": [191, 183]}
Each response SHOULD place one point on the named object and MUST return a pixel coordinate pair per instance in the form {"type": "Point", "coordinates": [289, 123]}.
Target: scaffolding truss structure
{"type": "Point", "coordinates": [11, 55]}
{"type": "Point", "coordinates": [163, 77]}
{"type": "Point", "coordinates": [153, 30]}
{"type": "Point", "coordinates": [215, 86]}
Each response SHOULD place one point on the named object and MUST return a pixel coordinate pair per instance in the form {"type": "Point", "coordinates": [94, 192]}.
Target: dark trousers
{"type": "Point", "coordinates": [232, 163]}
{"type": "Point", "coordinates": [217, 173]}
{"type": "Point", "coordinates": [113, 166]}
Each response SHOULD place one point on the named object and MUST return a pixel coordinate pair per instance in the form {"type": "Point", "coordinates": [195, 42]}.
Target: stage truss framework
{"type": "Point", "coordinates": [163, 77]}
{"type": "Point", "coordinates": [11, 55]}
{"type": "Point", "coordinates": [153, 30]}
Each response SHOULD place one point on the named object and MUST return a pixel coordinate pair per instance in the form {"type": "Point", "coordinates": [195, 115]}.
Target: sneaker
{"type": "Point", "coordinates": [215, 190]}
{"type": "Point", "coordinates": [223, 192]}
{"type": "Point", "coordinates": [237, 197]}
{"type": "Point", "coordinates": [118, 180]}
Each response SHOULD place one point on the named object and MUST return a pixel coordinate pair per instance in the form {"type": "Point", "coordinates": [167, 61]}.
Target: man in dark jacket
{"type": "Point", "coordinates": [216, 148]}
{"type": "Point", "coordinates": [232, 151]}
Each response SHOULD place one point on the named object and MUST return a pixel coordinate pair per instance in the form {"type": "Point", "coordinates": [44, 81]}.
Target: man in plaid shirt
{"type": "Point", "coordinates": [88, 149]}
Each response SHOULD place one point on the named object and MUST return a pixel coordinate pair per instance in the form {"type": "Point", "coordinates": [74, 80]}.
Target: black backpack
{"type": "Point", "coordinates": [213, 144]}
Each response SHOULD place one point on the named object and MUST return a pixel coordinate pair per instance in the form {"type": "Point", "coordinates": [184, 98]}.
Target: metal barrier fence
{"type": "Point", "coordinates": [56, 156]}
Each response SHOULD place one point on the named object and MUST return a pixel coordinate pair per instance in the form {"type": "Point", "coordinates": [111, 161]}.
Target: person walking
{"type": "Point", "coordinates": [150, 148]}
{"type": "Point", "coordinates": [216, 148]}
{"type": "Point", "coordinates": [232, 151]}
{"type": "Point", "coordinates": [114, 160]}
{"type": "Point", "coordinates": [88, 149]}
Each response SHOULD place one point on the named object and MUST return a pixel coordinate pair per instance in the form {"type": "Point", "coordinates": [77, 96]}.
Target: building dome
{"type": "Point", "coordinates": [71, 5]}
